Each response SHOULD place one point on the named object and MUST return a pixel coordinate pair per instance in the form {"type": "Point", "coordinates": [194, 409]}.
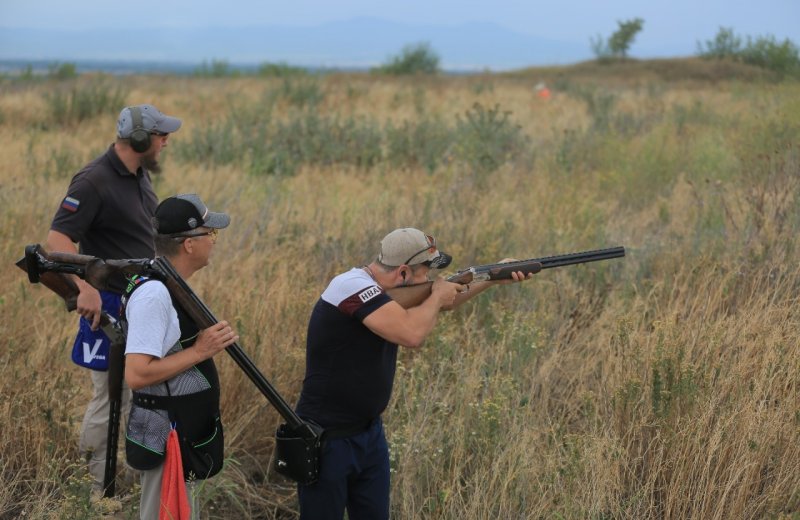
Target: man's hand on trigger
{"type": "Point", "coordinates": [445, 292]}
{"type": "Point", "coordinates": [90, 305]}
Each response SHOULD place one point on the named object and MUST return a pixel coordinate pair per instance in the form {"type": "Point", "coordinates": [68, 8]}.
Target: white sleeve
{"type": "Point", "coordinates": [152, 321]}
{"type": "Point", "coordinates": [349, 284]}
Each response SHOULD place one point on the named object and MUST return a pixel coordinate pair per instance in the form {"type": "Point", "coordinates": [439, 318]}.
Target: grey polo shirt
{"type": "Point", "coordinates": [108, 210]}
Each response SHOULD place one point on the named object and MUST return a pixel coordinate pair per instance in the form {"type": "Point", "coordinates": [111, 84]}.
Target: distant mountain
{"type": "Point", "coordinates": [355, 43]}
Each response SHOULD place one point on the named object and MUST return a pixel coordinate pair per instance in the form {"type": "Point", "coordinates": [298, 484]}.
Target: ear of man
{"type": "Point", "coordinates": [187, 245]}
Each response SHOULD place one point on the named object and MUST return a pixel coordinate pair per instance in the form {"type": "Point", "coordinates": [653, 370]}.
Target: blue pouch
{"type": "Point", "coordinates": [91, 346]}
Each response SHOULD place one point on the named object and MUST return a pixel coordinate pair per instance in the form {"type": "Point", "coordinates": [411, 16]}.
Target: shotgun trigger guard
{"type": "Point", "coordinates": [113, 329]}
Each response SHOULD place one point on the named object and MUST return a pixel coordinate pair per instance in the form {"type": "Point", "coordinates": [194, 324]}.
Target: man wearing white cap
{"type": "Point", "coordinates": [107, 213]}
{"type": "Point", "coordinates": [351, 354]}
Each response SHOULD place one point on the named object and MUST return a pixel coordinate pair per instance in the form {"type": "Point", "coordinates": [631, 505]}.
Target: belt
{"type": "Point", "coordinates": [168, 402]}
{"type": "Point", "coordinates": [152, 402]}
{"type": "Point", "coordinates": [343, 432]}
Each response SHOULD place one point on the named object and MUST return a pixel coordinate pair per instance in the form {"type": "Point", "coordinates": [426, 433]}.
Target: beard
{"type": "Point", "coordinates": [150, 163]}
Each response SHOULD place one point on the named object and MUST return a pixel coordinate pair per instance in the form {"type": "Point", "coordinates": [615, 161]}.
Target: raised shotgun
{"type": "Point", "coordinates": [413, 295]}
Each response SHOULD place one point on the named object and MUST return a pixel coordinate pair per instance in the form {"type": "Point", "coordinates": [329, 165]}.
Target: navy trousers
{"type": "Point", "coordinates": [354, 475]}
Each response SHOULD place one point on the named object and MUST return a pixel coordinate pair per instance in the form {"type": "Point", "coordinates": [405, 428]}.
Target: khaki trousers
{"type": "Point", "coordinates": [151, 495]}
{"type": "Point", "coordinates": [94, 428]}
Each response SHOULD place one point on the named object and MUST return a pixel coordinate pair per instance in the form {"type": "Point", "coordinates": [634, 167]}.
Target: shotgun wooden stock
{"type": "Point", "coordinates": [58, 282]}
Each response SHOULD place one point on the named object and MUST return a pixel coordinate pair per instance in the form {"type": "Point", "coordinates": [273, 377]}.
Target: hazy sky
{"type": "Point", "coordinates": [676, 25]}
{"type": "Point", "coordinates": [552, 19]}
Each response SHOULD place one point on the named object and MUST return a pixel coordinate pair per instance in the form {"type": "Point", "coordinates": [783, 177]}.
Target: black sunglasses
{"type": "Point", "coordinates": [181, 236]}
{"type": "Point", "coordinates": [430, 247]}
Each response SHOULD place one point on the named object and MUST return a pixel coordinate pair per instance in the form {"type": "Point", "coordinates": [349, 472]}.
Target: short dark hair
{"type": "Point", "coordinates": [167, 245]}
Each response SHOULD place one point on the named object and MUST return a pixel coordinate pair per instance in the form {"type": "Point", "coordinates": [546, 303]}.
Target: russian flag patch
{"type": "Point", "coordinates": [70, 204]}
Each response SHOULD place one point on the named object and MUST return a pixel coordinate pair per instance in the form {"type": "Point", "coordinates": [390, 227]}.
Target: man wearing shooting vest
{"type": "Point", "coordinates": [169, 367]}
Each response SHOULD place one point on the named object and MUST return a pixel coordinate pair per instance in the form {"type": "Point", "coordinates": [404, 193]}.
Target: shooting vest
{"type": "Point", "coordinates": [188, 402]}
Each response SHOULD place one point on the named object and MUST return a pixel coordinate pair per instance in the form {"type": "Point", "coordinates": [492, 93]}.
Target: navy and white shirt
{"type": "Point", "coordinates": [349, 369]}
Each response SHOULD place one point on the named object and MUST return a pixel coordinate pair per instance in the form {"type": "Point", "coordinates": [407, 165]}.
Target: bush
{"type": "Point", "coordinates": [419, 58]}
{"type": "Point", "coordinates": [61, 71]}
{"type": "Point", "coordinates": [600, 49]}
{"type": "Point", "coordinates": [302, 92]}
{"type": "Point", "coordinates": [55, 162]}
{"type": "Point", "coordinates": [216, 69]}
{"type": "Point", "coordinates": [425, 143]}
{"type": "Point", "coordinates": [84, 102]}
{"type": "Point", "coordinates": [483, 139]}
{"type": "Point", "coordinates": [765, 52]}
{"type": "Point", "coordinates": [724, 45]}
{"type": "Point", "coordinates": [599, 104]}
{"type": "Point", "coordinates": [279, 70]}
{"type": "Point", "coordinates": [487, 138]}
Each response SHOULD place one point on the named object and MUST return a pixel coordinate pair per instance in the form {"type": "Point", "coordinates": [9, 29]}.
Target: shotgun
{"type": "Point", "coordinates": [103, 274]}
{"type": "Point", "coordinates": [65, 287]}
{"type": "Point", "coordinates": [413, 295]}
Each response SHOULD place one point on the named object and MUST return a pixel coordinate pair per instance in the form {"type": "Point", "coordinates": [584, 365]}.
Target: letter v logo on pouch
{"type": "Point", "coordinates": [70, 204]}
{"type": "Point", "coordinates": [90, 354]}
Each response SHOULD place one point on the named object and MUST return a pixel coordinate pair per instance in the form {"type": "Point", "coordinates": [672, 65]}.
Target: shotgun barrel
{"type": "Point", "coordinates": [204, 318]}
{"type": "Point", "coordinates": [413, 295]}
{"type": "Point", "coordinates": [502, 271]}
{"type": "Point", "coordinates": [581, 258]}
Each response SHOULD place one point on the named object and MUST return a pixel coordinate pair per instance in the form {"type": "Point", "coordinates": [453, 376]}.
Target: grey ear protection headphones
{"type": "Point", "coordinates": [140, 138]}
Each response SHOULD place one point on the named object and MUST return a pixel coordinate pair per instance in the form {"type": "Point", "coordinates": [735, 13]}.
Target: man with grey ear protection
{"type": "Point", "coordinates": [351, 354]}
{"type": "Point", "coordinates": [106, 212]}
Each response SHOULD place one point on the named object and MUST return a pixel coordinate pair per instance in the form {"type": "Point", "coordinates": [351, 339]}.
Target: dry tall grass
{"type": "Point", "coordinates": [664, 385]}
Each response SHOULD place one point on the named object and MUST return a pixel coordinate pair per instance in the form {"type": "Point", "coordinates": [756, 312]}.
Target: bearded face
{"type": "Point", "coordinates": [150, 162]}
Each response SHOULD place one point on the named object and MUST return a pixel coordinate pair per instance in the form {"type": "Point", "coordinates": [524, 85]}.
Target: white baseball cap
{"type": "Point", "coordinates": [410, 246]}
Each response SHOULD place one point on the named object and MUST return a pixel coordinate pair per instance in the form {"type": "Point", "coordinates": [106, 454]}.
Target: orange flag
{"type": "Point", "coordinates": [174, 502]}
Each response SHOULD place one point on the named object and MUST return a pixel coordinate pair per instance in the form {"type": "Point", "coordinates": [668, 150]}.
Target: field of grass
{"type": "Point", "coordinates": [663, 385]}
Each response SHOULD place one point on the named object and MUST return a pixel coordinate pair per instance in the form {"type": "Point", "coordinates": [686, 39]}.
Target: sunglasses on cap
{"type": "Point", "coordinates": [212, 234]}
{"type": "Point", "coordinates": [431, 247]}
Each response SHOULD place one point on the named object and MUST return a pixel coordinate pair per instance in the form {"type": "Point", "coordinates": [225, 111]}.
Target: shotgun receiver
{"type": "Point", "coordinates": [413, 295]}
{"type": "Point", "coordinates": [104, 274]}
